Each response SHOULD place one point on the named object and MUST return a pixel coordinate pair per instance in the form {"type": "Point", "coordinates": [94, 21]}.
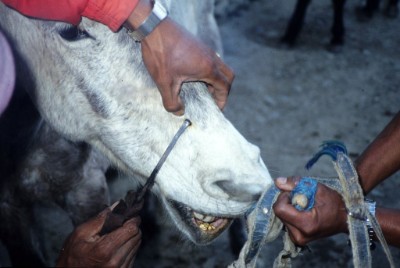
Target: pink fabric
{"type": "Point", "coordinates": [7, 73]}
{"type": "Point", "coordinates": [112, 13]}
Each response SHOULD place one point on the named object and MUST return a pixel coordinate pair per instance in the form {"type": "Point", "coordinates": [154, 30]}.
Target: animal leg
{"type": "Point", "coordinates": [338, 29]}
{"type": "Point", "coordinates": [296, 22]}
{"type": "Point", "coordinates": [366, 12]}
{"type": "Point", "coordinates": [372, 5]}
{"type": "Point", "coordinates": [391, 9]}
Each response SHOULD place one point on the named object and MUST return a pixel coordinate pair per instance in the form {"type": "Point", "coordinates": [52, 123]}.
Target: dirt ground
{"type": "Point", "coordinates": [287, 101]}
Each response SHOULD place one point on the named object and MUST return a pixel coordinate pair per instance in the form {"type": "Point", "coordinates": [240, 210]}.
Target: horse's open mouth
{"type": "Point", "coordinates": [203, 227]}
{"type": "Point", "coordinates": [209, 224]}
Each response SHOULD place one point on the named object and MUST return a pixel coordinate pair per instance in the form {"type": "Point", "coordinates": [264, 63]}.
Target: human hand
{"type": "Point", "coordinates": [326, 218]}
{"type": "Point", "coordinates": [85, 248]}
{"type": "Point", "coordinates": [173, 56]}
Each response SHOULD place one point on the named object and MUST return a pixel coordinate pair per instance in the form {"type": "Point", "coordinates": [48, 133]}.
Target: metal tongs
{"type": "Point", "coordinates": [130, 206]}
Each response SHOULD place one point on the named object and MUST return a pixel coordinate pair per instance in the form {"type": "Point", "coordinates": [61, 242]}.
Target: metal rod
{"type": "Point", "coordinates": [151, 179]}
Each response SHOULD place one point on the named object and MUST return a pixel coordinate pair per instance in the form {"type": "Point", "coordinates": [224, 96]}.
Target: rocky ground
{"type": "Point", "coordinates": [287, 101]}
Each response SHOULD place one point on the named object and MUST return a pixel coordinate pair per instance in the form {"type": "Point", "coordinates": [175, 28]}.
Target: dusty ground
{"type": "Point", "coordinates": [289, 101]}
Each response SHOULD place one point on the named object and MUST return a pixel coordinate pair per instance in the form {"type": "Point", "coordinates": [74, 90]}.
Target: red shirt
{"type": "Point", "coordinates": [112, 13]}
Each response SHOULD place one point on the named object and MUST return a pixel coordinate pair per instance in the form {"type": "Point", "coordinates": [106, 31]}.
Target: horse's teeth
{"type": "Point", "coordinates": [203, 218]}
{"type": "Point", "coordinates": [198, 216]}
{"type": "Point", "coordinates": [209, 219]}
{"type": "Point", "coordinates": [206, 227]}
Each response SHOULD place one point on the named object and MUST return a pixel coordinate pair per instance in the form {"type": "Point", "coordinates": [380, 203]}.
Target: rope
{"type": "Point", "coordinates": [262, 230]}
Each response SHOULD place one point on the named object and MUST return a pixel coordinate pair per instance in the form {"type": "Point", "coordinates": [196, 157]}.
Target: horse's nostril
{"type": "Point", "coordinates": [240, 192]}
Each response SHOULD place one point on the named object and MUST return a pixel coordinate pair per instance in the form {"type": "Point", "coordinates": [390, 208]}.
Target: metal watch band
{"type": "Point", "coordinates": [371, 206]}
{"type": "Point", "coordinates": [157, 14]}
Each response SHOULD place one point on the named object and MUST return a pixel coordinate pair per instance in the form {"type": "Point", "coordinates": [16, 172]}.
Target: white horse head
{"type": "Point", "coordinates": [91, 85]}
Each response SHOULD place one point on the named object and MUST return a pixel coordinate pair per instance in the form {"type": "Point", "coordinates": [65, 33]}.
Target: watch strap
{"type": "Point", "coordinates": [156, 16]}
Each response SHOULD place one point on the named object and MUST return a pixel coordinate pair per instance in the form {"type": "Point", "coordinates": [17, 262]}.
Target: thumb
{"type": "Point", "coordinates": [286, 184]}
{"type": "Point", "coordinates": [170, 97]}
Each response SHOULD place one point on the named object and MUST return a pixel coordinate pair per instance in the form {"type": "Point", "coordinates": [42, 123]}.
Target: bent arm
{"type": "Point", "coordinates": [389, 220]}
{"type": "Point", "coordinates": [381, 158]}
{"type": "Point", "coordinates": [112, 13]}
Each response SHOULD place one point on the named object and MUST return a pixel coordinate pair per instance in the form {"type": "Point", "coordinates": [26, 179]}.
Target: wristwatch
{"type": "Point", "coordinates": [371, 206]}
{"type": "Point", "coordinates": [157, 15]}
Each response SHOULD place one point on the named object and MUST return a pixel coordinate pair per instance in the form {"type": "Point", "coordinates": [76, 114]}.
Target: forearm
{"type": "Point", "coordinates": [381, 158]}
{"type": "Point", "coordinates": [389, 220]}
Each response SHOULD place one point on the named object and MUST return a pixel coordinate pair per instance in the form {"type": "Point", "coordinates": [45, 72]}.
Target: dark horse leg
{"type": "Point", "coordinates": [391, 10]}
{"type": "Point", "coordinates": [296, 22]}
{"type": "Point", "coordinates": [337, 29]}
{"type": "Point", "coordinates": [365, 13]}
{"type": "Point", "coordinates": [372, 6]}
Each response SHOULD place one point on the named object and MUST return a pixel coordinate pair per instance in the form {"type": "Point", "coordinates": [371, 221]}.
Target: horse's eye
{"type": "Point", "coordinates": [73, 33]}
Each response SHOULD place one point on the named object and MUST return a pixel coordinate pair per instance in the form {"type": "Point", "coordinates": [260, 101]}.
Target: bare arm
{"type": "Point", "coordinates": [381, 158]}
{"type": "Point", "coordinates": [389, 220]}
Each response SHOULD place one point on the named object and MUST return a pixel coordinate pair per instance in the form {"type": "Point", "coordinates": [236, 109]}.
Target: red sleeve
{"type": "Point", "coordinates": [112, 13]}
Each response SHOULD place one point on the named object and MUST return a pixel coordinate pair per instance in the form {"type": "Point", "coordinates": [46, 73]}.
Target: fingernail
{"type": "Point", "coordinates": [114, 205]}
{"type": "Point", "coordinates": [281, 180]}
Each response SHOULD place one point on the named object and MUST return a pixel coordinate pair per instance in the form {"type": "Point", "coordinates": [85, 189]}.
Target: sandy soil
{"type": "Point", "coordinates": [287, 101]}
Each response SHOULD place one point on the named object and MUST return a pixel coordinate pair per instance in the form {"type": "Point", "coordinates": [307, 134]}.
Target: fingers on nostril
{"type": "Point", "coordinates": [240, 192]}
